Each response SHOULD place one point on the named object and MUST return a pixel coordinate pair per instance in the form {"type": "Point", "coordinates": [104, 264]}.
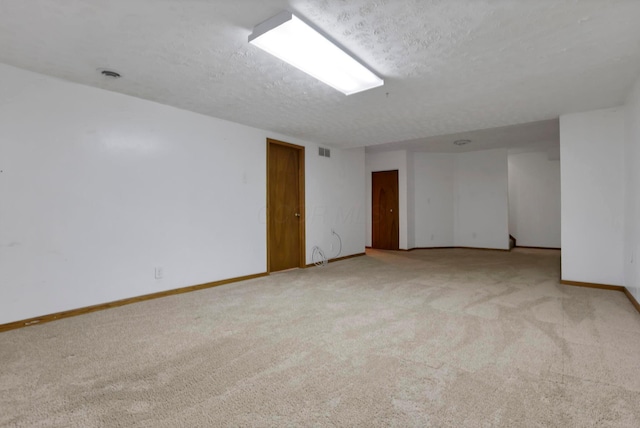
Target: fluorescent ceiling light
{"type": "Point", "coordinates": [289, 38]}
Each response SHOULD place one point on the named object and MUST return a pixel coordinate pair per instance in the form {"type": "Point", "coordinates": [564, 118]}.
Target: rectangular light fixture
{"type": "Point", "coordinates": [292, 40]}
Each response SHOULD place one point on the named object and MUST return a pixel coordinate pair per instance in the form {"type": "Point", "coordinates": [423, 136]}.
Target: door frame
{"type": "Point", "coordinates": [302, 254]}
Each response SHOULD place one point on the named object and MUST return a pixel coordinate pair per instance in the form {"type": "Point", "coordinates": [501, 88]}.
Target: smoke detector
{"type": "Point", "coordinates": [461, 142]}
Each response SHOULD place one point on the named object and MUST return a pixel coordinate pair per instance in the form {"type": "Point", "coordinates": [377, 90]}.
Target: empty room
{"type": "Point", "coordinates": [319, 213]}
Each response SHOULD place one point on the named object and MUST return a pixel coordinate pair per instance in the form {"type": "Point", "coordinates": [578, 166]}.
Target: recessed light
{"type": "Point", "coordinates": [461, 142]}
{"type": "Point", "coordinates": [109, 73]}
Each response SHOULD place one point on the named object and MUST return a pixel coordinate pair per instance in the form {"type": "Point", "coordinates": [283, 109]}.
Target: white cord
{"type": "Point", "coordinates": [317, 252]}
{"type": "Point", "coordinates": [340, 241]}
{"type": "Point", "coordinates": [323, 259]}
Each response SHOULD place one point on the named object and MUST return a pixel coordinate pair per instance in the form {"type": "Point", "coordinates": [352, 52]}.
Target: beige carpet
{"type": "Point", "coordinates": [460, 338]}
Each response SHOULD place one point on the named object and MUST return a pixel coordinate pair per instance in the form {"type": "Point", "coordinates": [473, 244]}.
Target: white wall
{"type": "Point", "coordinates": [447, 199]}
{"type": "Point", "coordinates": [481, 209]}
{"type": "Point", "coordinates": [592, 183]}
{"type": "Point", "coordinates": [389, 161]}
{"type": "Point", "coordinates": [335, 198]}
{"type": "Point", "coordinates": [98, 188]}
{"type": "Point", "coordinates": [434, 220]}
{"type": "Point", "coordinates": [534, 199]}
{"type": "Point", "coordinates": [411, 201]}
{"type": "Point", "coordinates": [632, 193]}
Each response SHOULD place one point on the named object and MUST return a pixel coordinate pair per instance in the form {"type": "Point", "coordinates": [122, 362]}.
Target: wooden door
{"type": "Point", "coordinates": [385, 231]}
{"type": "Point", "coordinates": [285, 208]}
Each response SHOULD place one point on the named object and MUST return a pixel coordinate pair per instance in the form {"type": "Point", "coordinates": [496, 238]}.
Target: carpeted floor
{"type": "Point", "coordinates": [460, 338]}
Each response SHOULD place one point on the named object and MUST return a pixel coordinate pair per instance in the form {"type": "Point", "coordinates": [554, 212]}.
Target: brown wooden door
{"type": "Point", "coordinates": [385, 217]}
{"type": "Point", "coordinates": [285, 210]}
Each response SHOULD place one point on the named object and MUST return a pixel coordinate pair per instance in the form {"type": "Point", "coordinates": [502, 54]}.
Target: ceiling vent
{"type": "Point", "coordinates": [109, 73]}
{"type": "Point", "coordinates": [324, 152]}
{"type": "Point", "coordinates": [461, 142]}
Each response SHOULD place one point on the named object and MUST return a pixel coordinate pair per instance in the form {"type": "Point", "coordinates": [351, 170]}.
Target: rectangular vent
{"type": "Point", "coordinates": [324, 152]}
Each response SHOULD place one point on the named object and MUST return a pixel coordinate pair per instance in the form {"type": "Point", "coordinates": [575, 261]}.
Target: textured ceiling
{"type": "Point", "coordinates": [450, 65]}
{"type": "Point", "coordinates": [542, 135]}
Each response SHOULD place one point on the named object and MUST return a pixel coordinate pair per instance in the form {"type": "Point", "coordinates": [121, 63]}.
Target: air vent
{"type": "Point", "coordinates": [109, 73]}
{"type": "Point", "coordinates": [324, 152]}
{"type": "Point", "coordinates": [461, 142]}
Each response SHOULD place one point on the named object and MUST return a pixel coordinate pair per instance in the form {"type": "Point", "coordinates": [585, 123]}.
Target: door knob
{"type": "Point", "coordinates": [297, 214]}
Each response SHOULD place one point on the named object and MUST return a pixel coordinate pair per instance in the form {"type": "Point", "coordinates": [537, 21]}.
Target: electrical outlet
{"type": "Point", "coordinates": [159, 273]}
